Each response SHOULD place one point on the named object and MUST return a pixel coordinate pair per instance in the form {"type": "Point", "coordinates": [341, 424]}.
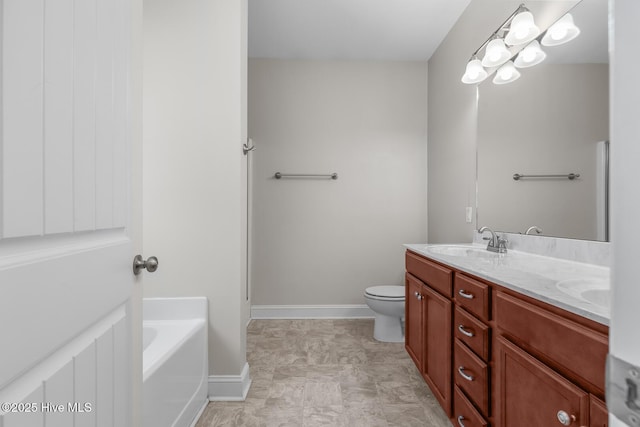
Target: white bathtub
{"type": "Point", "coordinates": [174, 359]}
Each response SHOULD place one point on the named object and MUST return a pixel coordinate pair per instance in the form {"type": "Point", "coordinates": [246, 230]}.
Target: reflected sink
{"type": "Point", "coordinates": [595, 291]}
{"type": "Point", "coordinates": [461, 251]}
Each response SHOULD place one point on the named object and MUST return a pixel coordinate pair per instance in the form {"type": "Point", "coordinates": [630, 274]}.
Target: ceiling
{"type": "Point", "coordinates": [350, 29]}
{"type": "Point", "coordinates": [408, 30]}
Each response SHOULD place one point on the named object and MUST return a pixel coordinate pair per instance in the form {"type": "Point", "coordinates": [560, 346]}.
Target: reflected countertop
{"type": "Point", "coordinates": [579, 288]}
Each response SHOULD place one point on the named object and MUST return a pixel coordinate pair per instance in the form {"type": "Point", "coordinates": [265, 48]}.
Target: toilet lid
{"type": "Point", "coordinates": [386, 291]}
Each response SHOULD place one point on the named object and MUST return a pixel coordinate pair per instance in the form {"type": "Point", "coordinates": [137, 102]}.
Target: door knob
{"type": "Point", "coordinates": [151, 264]}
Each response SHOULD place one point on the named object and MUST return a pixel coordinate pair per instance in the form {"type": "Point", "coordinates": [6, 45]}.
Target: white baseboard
{"type": "Point", "coordinates": [229, 388]}
{"type": "Point", "coordinates": [342, 311]}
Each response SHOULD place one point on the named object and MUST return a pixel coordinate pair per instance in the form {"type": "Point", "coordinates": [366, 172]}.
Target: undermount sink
{"type": "Point", "coordinates": [595, 291]}
{"type": "Point", "coordinates": [461, 250]}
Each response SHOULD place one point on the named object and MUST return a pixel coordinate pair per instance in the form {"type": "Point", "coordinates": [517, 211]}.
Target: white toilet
{"type": "Point", "coordinates": [387, 303]}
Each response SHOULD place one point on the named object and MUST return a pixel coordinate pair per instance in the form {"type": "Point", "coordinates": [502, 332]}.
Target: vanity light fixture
{"type": "Point", "coordinates": [563, 31]}
{"type": "Point", "coordinates": [516, 43]}
{"type": "Point", "coordinates": [522, 29]}
{"type": "Point", "coordinates": [506, 74]}
{"type": "Point", "coordinates": [530, 55]}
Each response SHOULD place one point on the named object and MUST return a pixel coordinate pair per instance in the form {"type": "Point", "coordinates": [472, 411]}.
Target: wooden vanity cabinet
{"type": "Point", "coordinates": [428, 315]}
{"type": "Point", "coordinates": [531, 364]}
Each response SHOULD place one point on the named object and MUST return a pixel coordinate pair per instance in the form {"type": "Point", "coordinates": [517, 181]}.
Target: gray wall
{"type": "Point", "coordinates": [325, 241]}
{"type": "Point", "coordinates": [452, 134]}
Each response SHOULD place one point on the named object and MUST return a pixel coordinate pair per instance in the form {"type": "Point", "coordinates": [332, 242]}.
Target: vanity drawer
{"type": "Point", "coordinates": [472, 332]}
{"type": "Point", "coordinates": [464, 412]}
{"type": "Point", "coordinates": [434, 275]}
{"type": "Point", "coordinates": [472, 295]}
{"type": "Point", "coordinates": [564, 342]}
{"type": "Point", "coordinates": [471, 374]}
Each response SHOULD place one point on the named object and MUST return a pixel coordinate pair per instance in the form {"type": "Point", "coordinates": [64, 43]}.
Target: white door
{"type": "Point", "coordinates": [624, 344]}
{"type": "Point", "coordinates": [65, 224]}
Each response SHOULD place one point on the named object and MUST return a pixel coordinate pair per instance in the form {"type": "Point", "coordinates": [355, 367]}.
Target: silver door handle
{"type": "Point", "coordinates": [139, 264]}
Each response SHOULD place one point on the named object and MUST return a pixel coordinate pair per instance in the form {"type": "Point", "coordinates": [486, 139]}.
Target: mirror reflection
{"type": "Point", "coordinates": [553, 121]}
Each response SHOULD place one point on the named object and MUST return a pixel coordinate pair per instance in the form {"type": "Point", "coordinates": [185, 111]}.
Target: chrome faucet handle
{"type": "Point", "coordinates": [502, 244]}
{"type": "Point", "coordinates": [493, 235]}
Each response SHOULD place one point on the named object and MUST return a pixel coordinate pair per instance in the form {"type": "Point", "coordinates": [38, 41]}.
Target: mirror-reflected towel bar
{"type": "Point", "coordinates": [570, 176]}
{"type": "Point", "coordinates": [279, 175]}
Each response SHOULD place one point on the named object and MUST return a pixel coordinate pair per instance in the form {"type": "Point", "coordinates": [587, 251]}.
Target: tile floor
{"type": "Point", "coordinates": [327, 373]}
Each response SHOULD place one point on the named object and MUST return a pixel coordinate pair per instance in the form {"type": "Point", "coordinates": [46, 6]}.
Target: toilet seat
{"type": "Point", "coordinates": [385, 293]}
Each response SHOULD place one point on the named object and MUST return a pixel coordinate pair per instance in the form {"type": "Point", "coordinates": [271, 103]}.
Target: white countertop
{"type": "Point", "coordinates": [533, 275]}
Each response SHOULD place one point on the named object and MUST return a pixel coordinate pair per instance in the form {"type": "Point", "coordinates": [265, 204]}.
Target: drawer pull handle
{"type": "Point", "coordinates": [464, 331]}
{"type": "Point", "coordinates": [464, 375]}
{"type": "Point", "coordinates": [565, 419]}
{"type": "Point", "coordinates": [460, 419]}
{"type": "Point", "coordinates": [464, 294]}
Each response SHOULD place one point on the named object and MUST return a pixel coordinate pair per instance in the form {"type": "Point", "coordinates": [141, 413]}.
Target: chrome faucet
{"type": "Point", "coordinates": [535, 228]}
{"type": "Point", "coordinates": [496, 243]}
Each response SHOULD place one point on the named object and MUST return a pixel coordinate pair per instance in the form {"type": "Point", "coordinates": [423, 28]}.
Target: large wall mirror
{"type": "Point", "coordinates": [553, 120]}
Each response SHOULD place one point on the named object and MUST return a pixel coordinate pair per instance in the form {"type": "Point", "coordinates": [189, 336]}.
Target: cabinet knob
{"type": "Point", "coordinates": [460, 421]}
{"type": "Point", "coordinates": [565, 419]}
{"type": "Point", "coordinates": [418, 295]}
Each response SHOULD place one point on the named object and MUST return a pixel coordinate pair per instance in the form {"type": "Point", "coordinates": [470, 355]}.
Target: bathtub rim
{"type": "Point", "coordinates": [195, 326]}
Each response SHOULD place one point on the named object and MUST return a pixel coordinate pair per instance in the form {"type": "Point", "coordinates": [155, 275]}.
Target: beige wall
{"type": "Point", "coordinates": [324, 241]}
{"type": "Point", "coordinates": [194, 188]}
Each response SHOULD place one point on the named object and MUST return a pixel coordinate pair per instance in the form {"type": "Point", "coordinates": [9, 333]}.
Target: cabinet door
{"type": "Point", "coordinates": [530, 394]}
{"type": "Point", "coordinates": [437, 338]}
{"type": "Point", "coordinates": [598, 413]}
{"type": "Point", "coordinates": [413, 320]}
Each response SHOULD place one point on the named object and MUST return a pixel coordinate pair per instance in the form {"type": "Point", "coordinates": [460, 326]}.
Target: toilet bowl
{"type": "Point", "coordinates": [387, 303]}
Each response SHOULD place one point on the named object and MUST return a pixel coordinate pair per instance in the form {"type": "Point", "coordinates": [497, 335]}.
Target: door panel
{"type": "Point", "coordinates": [413, 320]}
{"type": "Point", "coordinates": [437, 352]}
{"type": "Point", "coordinates": [65, 239]}
{"type": "Point", "coordinates": [531, 394]}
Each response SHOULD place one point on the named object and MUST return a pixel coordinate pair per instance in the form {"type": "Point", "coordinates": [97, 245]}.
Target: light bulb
{"type": "Point", "coordinates": [562, 31]}
{"type": "Point", "coordinates": [559, 33]}
{"type": "Point", "coordinates": [521, 33]}
{"type": "Point", "coordinates": [474, 72]}
{"type": "Point", "coordinates": [522, 29]}
{"type": "Point", "coordinates": [506, 73]}
{"type": "Point", "coordinates": [496, 53]}
{"type": "Point", "coordinates": [528, 54]}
